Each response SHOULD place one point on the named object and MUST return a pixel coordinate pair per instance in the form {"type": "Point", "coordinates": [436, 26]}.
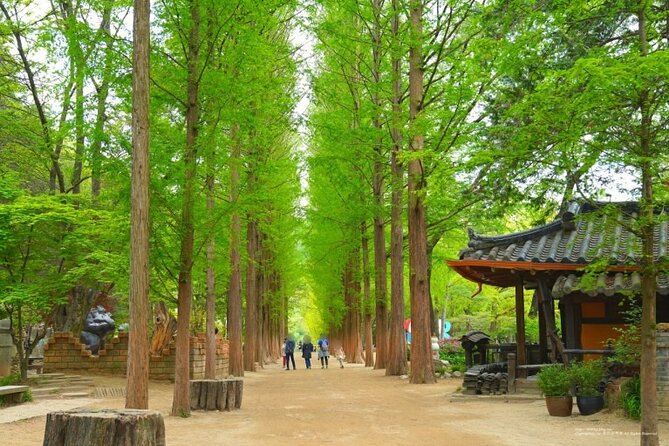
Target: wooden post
{"type": "Point", "coordinates": [511, 372]}
{"type": "Point", "coordinates": [520, 326]}
{"type": "Point", "coordinates": [104, 427]}
{"type": "Point", "coordinates": [543, 336]}
{"type": "Point", "coordinates": [571, 340]}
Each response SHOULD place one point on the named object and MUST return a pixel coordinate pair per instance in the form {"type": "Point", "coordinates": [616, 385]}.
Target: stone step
{"type": "Point", "coordinates": [77, 394]}
{"type": "Point", "coordinates": [41, 392]}
{"type": "Point", "coordinates": [82, 381]}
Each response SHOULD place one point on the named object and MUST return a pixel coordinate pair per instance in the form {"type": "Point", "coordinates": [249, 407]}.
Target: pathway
{"type": "Point", "coordinates": [360, 406]}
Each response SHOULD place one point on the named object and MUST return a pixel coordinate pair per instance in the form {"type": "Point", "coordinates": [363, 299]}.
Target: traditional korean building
{"type": "Point", "coordinates": [552, 260]}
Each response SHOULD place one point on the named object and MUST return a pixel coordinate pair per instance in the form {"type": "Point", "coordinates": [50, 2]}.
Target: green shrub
{"type": "Point", "coordinates": [10, 380]}
{"type": "Point", "coordinates": [630, 398]}
{"type": "Point", "coordinates": [587, 377]}
{"type": "Point", "coordinates": [450, 350]}
{"type": "Point", "coordinates": [555, 380]}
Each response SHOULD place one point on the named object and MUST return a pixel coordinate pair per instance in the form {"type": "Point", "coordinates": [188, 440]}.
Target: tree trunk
{"type": "Point", "coordinates": [367, 295]}
{"type": "Point", "coordinates": [251, 295]}
{"type": "Point", "coordinates": [102, 94]}
{"type": "Point", "coordinates": [380, 261]}
{"type": "Point", "coordinates": [79, 123]}
{"type": "Point", "coordinates": [137, 395]}
{"type": "Point", "coordinates": [397, 358]}
{"type": "Point", "coordinates": [103, 427]}
{"type": "Point", "coordinates": [235, 360]}
{"type": "Point", "coordinates": [181, 401]}
{"type": "Point", "coordinates": [210, 343]}
{"type": "Point", "coordinates": [422, 368]}
{"type": "Point", "coordinates": [649, 433]}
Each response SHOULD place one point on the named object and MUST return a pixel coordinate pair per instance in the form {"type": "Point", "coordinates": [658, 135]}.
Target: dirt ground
{"type": "Point", "coordinates": [351, 406]}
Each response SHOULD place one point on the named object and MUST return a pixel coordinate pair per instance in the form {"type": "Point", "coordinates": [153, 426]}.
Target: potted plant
{"type": "Point", "coordinates": [555, 383]}
{"type": "Point", "coordinates": [588, 380]}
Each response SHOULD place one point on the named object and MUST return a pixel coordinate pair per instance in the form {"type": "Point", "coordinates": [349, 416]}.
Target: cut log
{"type": "Point", "coordinates": [104, 427]}
{"type": "Point", "coordinates": [231, 401]}
{"type": "Point", "coordinates": [195, 389]}
{"type": "Point", "coordinates": [216, 394]}
{"type": "Point", "coordinates": [222, 395]}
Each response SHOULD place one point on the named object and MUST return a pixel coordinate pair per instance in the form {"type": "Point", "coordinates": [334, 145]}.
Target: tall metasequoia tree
{"type": "Point", "coordinates": [397, 359]}
{"type": "Point", "coordinates": [137, 395]}
{"type": "Point", "coordinates": [380, 261]}
{"type": "Point", "coordinates": [422, 368]}
{"type": "Point", "coordinates": [181, 401]}
{"type": "Point", "coordinates": [649, 434]}
{"type": "Point", "coordinates": [210, 343]}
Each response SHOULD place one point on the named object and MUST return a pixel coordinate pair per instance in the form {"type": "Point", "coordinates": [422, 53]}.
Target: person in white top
{"type": "Point", "coordinates": [341, 356]}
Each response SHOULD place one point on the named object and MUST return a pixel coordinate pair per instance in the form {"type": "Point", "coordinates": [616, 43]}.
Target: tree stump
{"type": "Point", "coordinates": [104, 427]}
{"type": "Point", "coordinates": [216, 394]}
{"type": "Point", "coordinates": [166, 326]}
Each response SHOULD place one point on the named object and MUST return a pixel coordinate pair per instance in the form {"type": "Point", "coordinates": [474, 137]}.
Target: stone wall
{"type": "Point", "coordinates": [64, 353]}
{"type": "Point", "coordinates": [663, 371]}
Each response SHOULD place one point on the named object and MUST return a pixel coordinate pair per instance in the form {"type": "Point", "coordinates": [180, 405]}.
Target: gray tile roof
{"type": "Point", "coordinates": [585, 232]}
{"type": "Point", "coordinates": [606, 284]}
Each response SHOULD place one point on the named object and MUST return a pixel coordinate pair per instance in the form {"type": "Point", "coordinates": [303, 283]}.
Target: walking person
{"type": "Point", "coordinates": [307, 349]}
{"type": "Point", "coordinates": [341, 356]}
{"type": "Point", "coordinates": [290, 350]}
{"type": "Point", "coordinates": [323, 351]}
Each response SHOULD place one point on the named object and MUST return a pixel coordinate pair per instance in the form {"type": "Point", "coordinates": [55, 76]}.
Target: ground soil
{"type": "Point", "coordinates": [350, 406]}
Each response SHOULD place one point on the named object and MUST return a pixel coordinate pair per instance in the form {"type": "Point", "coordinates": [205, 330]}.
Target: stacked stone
{"type": "Point", "coordinates": [663, 372]}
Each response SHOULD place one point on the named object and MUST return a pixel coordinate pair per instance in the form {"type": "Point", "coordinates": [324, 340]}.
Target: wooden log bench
{"type": "Point", "coordinates": [216, 394]}
{"type": "Point", "coordinates": [13, 394]}
{"type": "Point", "coordinates": [104, 427]}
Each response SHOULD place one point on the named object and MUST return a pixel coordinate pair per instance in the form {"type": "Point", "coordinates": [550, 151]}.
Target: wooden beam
{"type": "Point", "coordinates": [520, 325]}
{"type": "Point", "coordinates": [546, 300]}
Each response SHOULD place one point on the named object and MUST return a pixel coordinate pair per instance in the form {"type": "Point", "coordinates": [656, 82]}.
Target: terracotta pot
{"type": "Point", "coordinates": [587, 405]}
{"type": "Point", "coordinates": [559, 406]}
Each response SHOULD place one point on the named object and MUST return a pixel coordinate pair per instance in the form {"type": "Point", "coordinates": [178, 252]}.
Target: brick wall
{"type": "Point", "coordinates": [64, 353]}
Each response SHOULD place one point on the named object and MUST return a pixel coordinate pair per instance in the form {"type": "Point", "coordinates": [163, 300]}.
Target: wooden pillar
{"type": "Point", "coordinates": [543, 337]}
{"type": "Point", "coordinates": [571, 340]}
{"type": "Point", "coordinates": [520, 327]}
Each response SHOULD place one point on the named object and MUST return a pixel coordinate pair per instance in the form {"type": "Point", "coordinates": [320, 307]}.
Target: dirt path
{"type": "Point", "coordinates": [357, 406]}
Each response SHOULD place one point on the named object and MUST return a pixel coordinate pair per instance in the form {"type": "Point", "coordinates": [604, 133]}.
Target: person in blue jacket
{"type": "Point", "coordinates": [323, 351]}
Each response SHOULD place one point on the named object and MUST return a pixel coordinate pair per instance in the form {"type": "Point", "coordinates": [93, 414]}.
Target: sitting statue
{"type": "Point", "coordinates": [98, 323]}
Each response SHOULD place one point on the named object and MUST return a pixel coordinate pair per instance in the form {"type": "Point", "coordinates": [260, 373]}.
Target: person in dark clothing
{"type": "Point", "coordinates": [290, 350]}
{"type": "Point", "coordinates": [307, 349]}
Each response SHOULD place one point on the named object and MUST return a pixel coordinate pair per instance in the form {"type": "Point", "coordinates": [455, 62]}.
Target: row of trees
{"type": "Point", "coordinates": [448, 114]}
{"type": "Point", "coordinates": [219, 167]}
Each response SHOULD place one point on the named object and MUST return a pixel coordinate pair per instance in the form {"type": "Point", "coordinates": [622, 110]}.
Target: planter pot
{"type": "Point", "coordinates": [587, 405]}
{"type": "Point", "coordinates": [559, 406]}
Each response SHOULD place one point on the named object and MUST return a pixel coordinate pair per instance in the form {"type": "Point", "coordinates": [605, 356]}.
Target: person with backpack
{"type": "Point", "coordinates": [307, 349]}
{"type": "Point", "coordinates": [290, 350]}
{"type": "Point", "coordinates": [323, 351]}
